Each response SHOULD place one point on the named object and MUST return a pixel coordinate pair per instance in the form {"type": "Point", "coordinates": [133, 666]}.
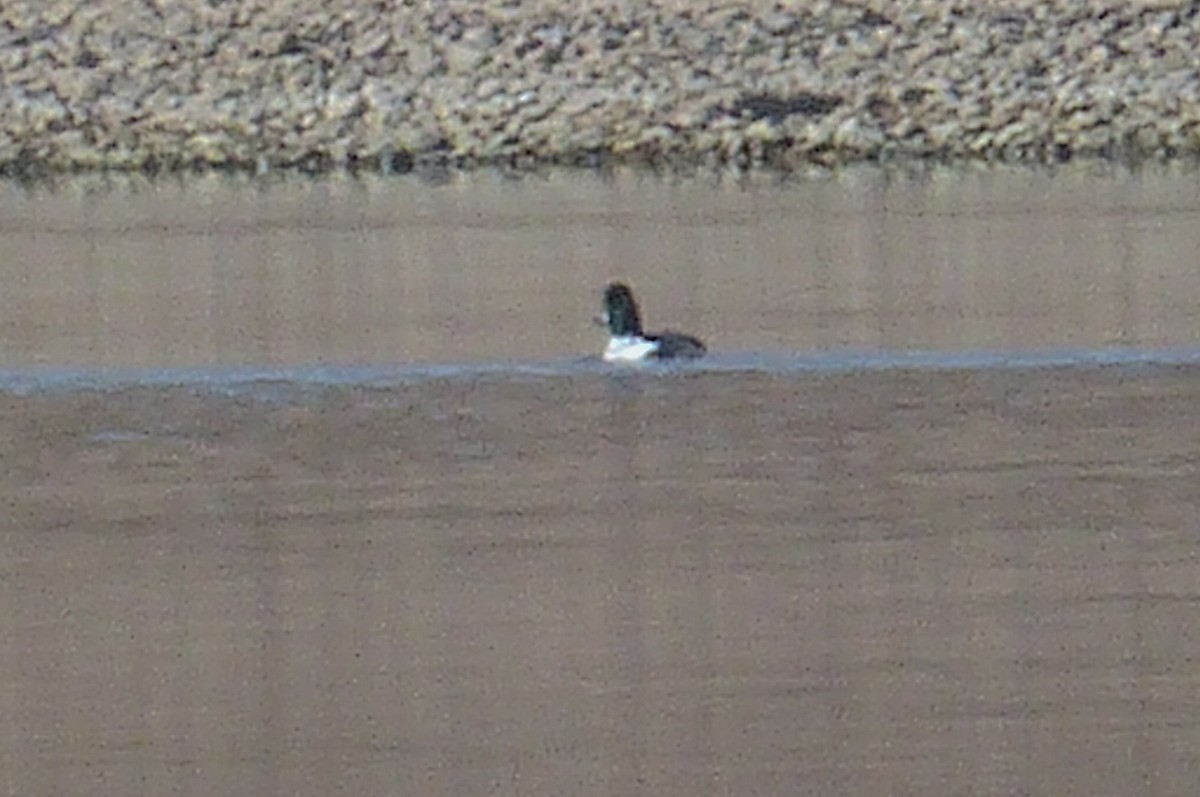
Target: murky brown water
{"type": "Point", "coordinates": [209, 273]}
{"type": "Point", "coordinates": [745, 581]}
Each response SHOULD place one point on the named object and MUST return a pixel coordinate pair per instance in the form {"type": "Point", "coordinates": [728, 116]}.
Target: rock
{"type": "Point", "coordinates": [117, 85]}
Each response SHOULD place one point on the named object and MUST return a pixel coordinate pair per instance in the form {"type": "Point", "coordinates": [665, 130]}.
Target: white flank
{"type": "Point", "coordinates": [628, 349]}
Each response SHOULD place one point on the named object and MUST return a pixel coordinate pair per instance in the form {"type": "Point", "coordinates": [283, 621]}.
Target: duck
{"type": "Point", "coordinates": [627, 342]}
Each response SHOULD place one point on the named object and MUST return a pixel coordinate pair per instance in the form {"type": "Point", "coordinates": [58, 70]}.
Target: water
{"type": "Point", "coordinates": [321, 488]}
{"type": "Point", "coordinates": [482, 270]}
{"type": "Point", "coordinates": [258, 382]}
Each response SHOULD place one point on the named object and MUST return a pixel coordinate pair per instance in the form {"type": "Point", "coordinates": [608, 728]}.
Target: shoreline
{"type": "Point", "coordinates": [258, 87]}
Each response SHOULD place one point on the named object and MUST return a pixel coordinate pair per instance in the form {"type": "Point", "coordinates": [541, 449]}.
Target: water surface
{"type": "Point", "coordinates": [321, 489]}
{"type": "Point", "coordinates": [394, 272]}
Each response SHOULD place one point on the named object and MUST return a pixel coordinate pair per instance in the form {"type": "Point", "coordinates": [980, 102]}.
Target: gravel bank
{"type": "Point", "coordinates": [258, 84]}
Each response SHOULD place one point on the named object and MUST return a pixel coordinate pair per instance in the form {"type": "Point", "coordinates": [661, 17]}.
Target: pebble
{"type": "Point", "coordinates": [263, 85]}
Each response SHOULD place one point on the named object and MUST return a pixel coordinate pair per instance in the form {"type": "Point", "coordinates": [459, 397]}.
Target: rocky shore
{"type": "Point", "coordinates": [387, 85]}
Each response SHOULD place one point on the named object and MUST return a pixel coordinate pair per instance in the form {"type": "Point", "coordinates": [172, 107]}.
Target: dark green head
{"type": "Point", "coordinates": [621, 311]}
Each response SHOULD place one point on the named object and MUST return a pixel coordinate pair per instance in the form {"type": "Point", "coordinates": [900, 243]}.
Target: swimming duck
{"type": "Point", "coordinates": [628, 343]}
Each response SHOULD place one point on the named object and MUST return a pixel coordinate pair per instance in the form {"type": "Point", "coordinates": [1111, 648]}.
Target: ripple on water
{"type": "Point", "coordinates": [277, 383]}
